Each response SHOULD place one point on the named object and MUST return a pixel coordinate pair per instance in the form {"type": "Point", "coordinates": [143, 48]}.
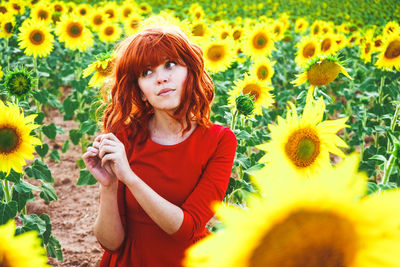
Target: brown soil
{"type": "Point", "coordinates": [74, 213]}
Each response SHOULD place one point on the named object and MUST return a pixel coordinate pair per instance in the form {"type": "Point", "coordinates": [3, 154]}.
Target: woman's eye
{"type": "Point", "coordinates": [170, 64]}
{"type": "Point", "coordinates": [146, 72]}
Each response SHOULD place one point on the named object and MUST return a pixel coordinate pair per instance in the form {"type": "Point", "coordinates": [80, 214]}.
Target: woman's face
{"type": "Point", "coordinates": [162, 86]}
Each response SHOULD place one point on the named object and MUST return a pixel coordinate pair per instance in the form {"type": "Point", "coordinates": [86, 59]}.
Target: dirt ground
{"type": "Point", "coordinates": [74, 213]}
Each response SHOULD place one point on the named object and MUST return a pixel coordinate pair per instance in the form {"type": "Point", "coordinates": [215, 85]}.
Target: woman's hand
{"type": "Point", "coordinates": [103, 174]}
{"type": "Point", "coordinates": [112, 153]}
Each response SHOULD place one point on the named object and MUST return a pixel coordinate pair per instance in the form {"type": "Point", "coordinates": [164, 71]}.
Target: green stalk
{"type": "Point", "coordinates": [6, 190]}
{"type": "Point", "coordinates": [8, 56]}
{"type": "Point", "coordinates": [380, 98]}
{"type": "Point", "coordinates": [388, 169]}
{"type": "Point", "coordinates": [393, 125]}
{"type": "Point", "coordinates": [234, 117]}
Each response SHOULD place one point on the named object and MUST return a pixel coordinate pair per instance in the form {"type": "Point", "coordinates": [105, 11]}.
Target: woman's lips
{"type": "Point", "coordinates": [165, 92]}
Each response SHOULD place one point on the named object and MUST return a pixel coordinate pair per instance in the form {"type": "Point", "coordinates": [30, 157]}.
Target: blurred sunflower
{"type": "Point", "coordinates": [352, 39]}
{"type": "Point", "coordinates": [199, 29]}
{"type": "Point", "coordinates": [221, 30]}
{"type": "Point", "coordinates": [103, 67]}
{"type": "Point", "coordinates": [197, 13]}
{"type": "Point", "coordinates": [328, 44]}
{"type": "Point", "coordinates": [112, 10]}
{"type": "Point", "coordinates": [259, 91]}
{"type": "Point", "coordinates": [110, 32]}
{"type": "Point", "coordinates": [321, 71]}
{"type": "Point", "coordinates": [97, 19]}
{"type": "Point", "coordinates": [83, 11]}
{"type": "Point", "coordinates": [307, 48]}
{"type": "Point", "coordinates": [278, 30]}
{"type": "Point", "coordinates": [263, 69]}
{"type": "Point", "coordinates": [73, 32]}
{"type": "Point", "coordinates": [59, 6]}
{"type": "Point", "coordinates": [237, 33]}
{"type": "Point", "coordinates": [313, 223]}
{"type": "Point", "coordinates": [41, 11]}
{"type": "Point", "coordinates": [218, 54]}
{"type": "Point", "coordinates": [7, 25]}
{"type": "Point", "coordinates": [144, 8]}
{"type": "Point", "coordinates": [5, 8]}
{"type": "Point", "coordinates": [303, 143]}
{"type": "Point", "coordinates": [258, 41]}
{"type": "Point", "coordinates": [16, 143]}
{"type": "Point", "coordinates": [366, 51]}
{"type": "Point", "coordinates": [36, 38]}
{"type": "Point", "coordinates": [127, 9]}
{"type": "Point", "coordinates": [301, 25]}
{"type": "Point", "coordinates": [132, 24]}
{"type": "Point", "coordinates": [392, 27]}
{"type": "Point", "coordinates": [18, 82]}
{"type": "Point", "coordinates": [341, 41]}
{"type": "Point", "coordinates": [389, 57]}
{"type": "Point", "coordinates": [21, 250]}
{"type": "Point", "coordinates": [377, 43]}
{"type": "Point", "coordinates": [316, 27]}
{"type": "Point", "coordinates": [18, 6]}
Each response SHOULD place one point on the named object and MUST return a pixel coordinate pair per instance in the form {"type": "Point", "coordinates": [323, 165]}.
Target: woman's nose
{"type": "Point", "coordinates": [162, 76]}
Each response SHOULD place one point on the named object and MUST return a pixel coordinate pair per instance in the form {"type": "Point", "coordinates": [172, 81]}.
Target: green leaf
{"type": "Point", "coordinates": [388, 186]}
{"type": "Point", "coordinates": [379, 157]}
{"type": "Point", "coordinates": [8, 211]}
{"type": "Point", "coordinates": [53, 248]}
{"type": "Point", "coordinates": [88, 127]}
{"type": "Point", "coordinates": [25, 187]}
{"type": "Point", "coordinates": [75, 136]}
{"type": "Point", "coordinates": [42, 150]}
{"type": "Point", "coordinates": [254, 169]}
{"type": "Point", "coordinates": [40, 171]}
{"type": "Point", "coordinates": [54, 155]}
{"type": "Point", "coordinates": [47, 233]}
{"type": "Point", "coordinates": [2, 193]}
{"type": "Point", "coordinates": [13, 176]}
{"type": "Point", "coordinates": [53, 101]}
{"type": "Point", "coordinates": [69, 108]}
{"type": "Point", "coordinates": [39, 118]}
{"type": "Point", "coordinates": [32, 222]}
{"type": "Point", "coordinates": [41, 96]}
{"type": "Point", "coordinates": [50, 131]}
{"type": "Point", "coordinates": [81, 164]}
{"type": "Point", "coordinates": [65, 146]}
{"type": "Point", "coordinates": [48, 193]}
{"type": "Point", "coordinates": [86, 178]}
{"type": "Point", "coordinates": [22, 198]}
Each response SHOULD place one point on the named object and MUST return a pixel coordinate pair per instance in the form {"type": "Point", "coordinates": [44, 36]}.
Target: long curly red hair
{"type": "Point", "coordinates": [134, 55]}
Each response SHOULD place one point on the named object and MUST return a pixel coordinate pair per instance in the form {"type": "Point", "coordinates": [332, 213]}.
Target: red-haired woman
{"type": "Point", "coordinates": [161, 163]}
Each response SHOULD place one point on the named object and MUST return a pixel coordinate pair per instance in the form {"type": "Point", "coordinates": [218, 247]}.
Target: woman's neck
{"type": "Point", "coordinates": [162, 125]}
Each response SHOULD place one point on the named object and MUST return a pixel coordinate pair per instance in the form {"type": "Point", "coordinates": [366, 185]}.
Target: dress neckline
{"type": "Point", "coordinates": [177, 144]}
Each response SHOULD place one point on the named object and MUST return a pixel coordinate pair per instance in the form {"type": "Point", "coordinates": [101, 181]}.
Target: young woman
{"type": "Point", "coordinates": [161, 164]}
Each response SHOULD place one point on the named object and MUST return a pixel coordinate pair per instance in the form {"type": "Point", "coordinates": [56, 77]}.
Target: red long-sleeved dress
{"type": "Point", "coordinates": [192, 175]}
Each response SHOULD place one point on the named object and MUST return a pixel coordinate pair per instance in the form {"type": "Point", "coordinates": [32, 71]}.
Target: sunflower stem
{"type": "Point", "coordinates": [8, 55]}
{"type": "Point", "coordinates": [6, 190]}
{"type": "Point", "coordinates": [380, 98]}
{"type": "Point", "coordinates": [388, 169]}
{"type": "Point", "coordinates": [234, 117]}
{"type": "Point", "coordinates": [392, 126]}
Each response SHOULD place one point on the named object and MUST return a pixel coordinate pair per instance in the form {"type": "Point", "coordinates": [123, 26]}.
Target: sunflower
{"type": "Point", "coordinates": [7, 24]}
{"type": "Point", "coordinates": [18, 82]}
{"type": "Point", "coordinates": [316, 27]}
{"type": "Point", "coordinates": [392, 27]}
{"type": "Point", "coordinates": [144, 8]}
{"type": "Point", "coordinates": [110, 32]}
{"type": "Point", "coordinates": [112, 10]}
{"type": "Point", "coordinates": [377, 43]}
{"type": "Point", "coordinates": [221, 30]}
{"type": "Point", "coordinates": [218, 54]}
{"type": "Point", "coordinates": [258, 41]}
{"type": "Point", "coordinates": [389, 58]}
{"type": "Point", "coordinates": [321, 71]}
{"type": "Point", "coordinates": [18, 6]}
{"type": "Point", "coordinates": [36, 37]}
{"type": "Point", "coordinates": [83, 11]}
{"type": "Point", "coordinates": [127, 9]}
{"type": "Point", "coordinates": [366, 50]}
{"type": "Point", "coordinates": [259, 91]}
{"type": "Point", "coordinates": [301, 25]}
{"type": "Point", "coordinates": [73, 32]}
{"type": "Point", "coordinates": [341, 41]}
{"type": "Point", "coordinates": [103, 66]}
{"type": "Point", "coordinates": [313, 223]}
{"type": "Point", "coordinates": [278, 30]}
{"type": "Point", "coordinates": [307, 48]}
{"type": "Point", "coordinates": [59, 6]}
{"type": "Point", "coordinates": [97, 19]}
{"type": "Point", "coordinates": [197, 13]}
{"type": "Point", "coordinates": [304, 143]}
{"type": "Point", "coordinates": [263, 69]}
{"type": "Point", "coordinates": [237, 33]}
{"type": "Point", "coordinates": [328, 44]}
{"type": "Point", "coordinates": [199, 29]}
{"type": "Point", "coordinates": [41, 11]}
{"type": "Point", "coordinates": [21, 250]}
{"type": "Point", "coordinates": [132, 24]}
{"type": "Point", "coordinates": [16, 143]}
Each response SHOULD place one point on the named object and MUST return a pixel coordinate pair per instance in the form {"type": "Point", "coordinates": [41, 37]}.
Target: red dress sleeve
{"type": "Point", "coordinates": [197, 208]}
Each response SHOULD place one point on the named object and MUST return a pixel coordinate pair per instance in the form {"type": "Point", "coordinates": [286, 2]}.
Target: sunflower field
{"type": "Point", "coordinates": [310, 88]}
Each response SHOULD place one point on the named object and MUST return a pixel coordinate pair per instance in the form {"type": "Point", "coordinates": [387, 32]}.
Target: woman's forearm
{"type": "Point", "coordinates": [108, 228]}
{"type": "Point", "coordinates": [166, 215]}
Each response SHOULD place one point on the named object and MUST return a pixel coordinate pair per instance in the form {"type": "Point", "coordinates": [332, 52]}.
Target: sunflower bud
{"type": "Point", "coordinates": [18, 83]}
{"type": "Point", "coordinates": [245, 104]}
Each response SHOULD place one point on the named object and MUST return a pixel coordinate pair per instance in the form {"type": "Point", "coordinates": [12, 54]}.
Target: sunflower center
{"type": "Point", "coordinates": [309, 50]}
{"type": "Point", "coordinates": [97, 20]}
{"type": "Point", "coordinates": [216, 52]}
{"type": "Point", "coordinates": [393, 50]}
{"type": "Point", "coordinates": [134, 24]}
{"type": "Point", "coordinates": [9, 140]}
{"type": "Point", "coordinates": [126, 12]}
{"type": "Point", "coordinates": [326, 45]}
{"type": "Point", "coordinates": [236, 34]}
{"type": "Point", "coordinates": [198, 15]}
{"type": "Point", "coordinates": [36, 37]}
{"type": "Point", "coordinates": [8, 27]}
{"type": "Point", "coordinates": [107, 70]}
{"type": "Point", "coordinates": [3, 9]}
{"type": "Point", "coordinates": [16, 7]}
{"type": "Point", "coordinates": [74, 29]}
{"type": "Point", "coordinates": [294, 242]}
{"type": "Point", "coordinates": [253, 90]}
{"type": "Point", "coordinates": [303, 147]}
{"type": "Point", "coordinates": [83, 12]}
{"type": "Point", "coordinates": [58, 8]}
{"type": "Point", "coordinates": [322, 73]}
{"type": "Point", "coordinates": [43, 14]}
{"type": "Point", "coordinates": [316, 30]}
{"type": "Point", "coordinates": [260, 41]}
{"type": "Point", "coordinates": [198, 30]}
{"type": "Point", "coordinates": [20, 84]}
{"type": "Point", "coordinates": [367, 48]}
{"type": "Point", "coordinates": [224, 35]}
{"type": "Point", "coordinates": [277, 30]}
{"type": "Point", "coordinates": [262, 73]}
{"type": "Point", "coordinates": [378, 43]}
{"type": "Point", "coordinates": [109, 31]}
{"type": "Point", "coordinates": [110, 12]}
